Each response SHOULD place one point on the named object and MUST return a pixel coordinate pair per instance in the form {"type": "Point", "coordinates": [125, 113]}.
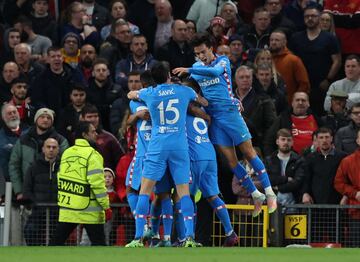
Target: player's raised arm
{"type": "Point", "coordinates": [195, 110]}
{"type": "Point", "coordinates": [180, 71]}
{"type": "Point", "coordinates": [201, 100]}
{"type": "Point", "coordinates": [141, 114]}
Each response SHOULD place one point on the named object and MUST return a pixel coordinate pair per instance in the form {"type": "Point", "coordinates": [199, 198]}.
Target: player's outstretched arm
{"type": "Point", "coordinates": [180, 71]}
{"type": "Point", "coordinates": [142, 114]}
{"type": "Point", "coordinates": [201, 100]}
{"type": "Point", "coordinates": [133, 95]}
{"type": "Point", "coordinates": [195, 110]}
{"type": "Point", "coordinates": [216, 70]}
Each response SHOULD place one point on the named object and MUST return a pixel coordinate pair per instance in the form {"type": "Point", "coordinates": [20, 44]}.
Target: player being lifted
{"type": "Point", "coordinates": [228, 128]}
{"type": "Point", "coordinates": [168, 147]}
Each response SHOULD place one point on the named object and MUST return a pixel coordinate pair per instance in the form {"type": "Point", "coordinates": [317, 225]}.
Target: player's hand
{"type": "Point", "coordinates": [108, 214]}
{"type": "Point", "coordinates": [307, 199]}
{"type": "Point", "coordinates": [133, 95]}
{"type": "Point", "coordinates": [344, 200]}
{"type": "Point", "coordinates": [179, 71]}
{"type": "Point", "coordinates": [19, 196]}
{"type": "Point", "coordinates": [143, 114]}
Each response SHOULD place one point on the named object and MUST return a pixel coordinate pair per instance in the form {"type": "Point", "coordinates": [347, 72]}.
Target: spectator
{"type": "Point", "coordinates": [201, 11]}
{"type": "Point", "coordinates": [40, 186]}
{"type": "Point", "coordinates": [20, 99]}
{"type": "Point", "coordinates": [299, 119]}
{"type": "Point", "coordinates": [223, 50]}
{"type": "Point", "coordinates": [70, 115]}
{"type": "Point", "coordinates": [238, 56]}
{"type": "Point", "coordinates": [337, 115]}
{"type": "Point", "coordinates": [52, 86]}
{"type": "Point", "coordinates": [14, 9]}
{"type": "Point", "coordinates": [347, 26]}
{"type": "Point", "coordinates": [107, 145]}
{"type": "Point", "coordinates": [42, 22]}
{"type": "Point", "coordinates": [118, 9]}
{"type": "Point", "coordinates": [320, 54]}
{"type": "Point", "coordinates": [217, 31]}
{"type": "Point", "coordinates": [39, 44]}
{"type": "Point", "coordinates": [191, 29]}
{"type": "Point", "coordinates": [259, 108]}
{"type": "Point", "coordinates": [177, 52]}
{"type": "Point", "coordinates": [102, 91]}
{"type": "Point", "coordinates": [278, 18]}
{"type": "Point", "coordinates": [9, 134]}
{"type": "Point", "coordinates": [295, 12]}
{"type": "Point", "coordinates": [233, 22]}
{"type": "Point", "coordinates": [28, 148]}
{"type": "Point", "coordinates": [117, 44]}
{"type": "Point", "coordinates": [10, 71]}
{"type": "Point", "coordinates": [350, 84]}
{"type": "Point", "coordinates": [285, 169]}
{"type": "Point", "coordinates": [158, 30]}
{"type": "Point", "coordinates": [71, 49]}
{"type": "Point", "coordinates": [87, 58]}
{"type": "Point", "coordinates": [320, 167]}
{"type": "Point", "coordinates": [139, 60]}
{"type": "Point", "coordinates": [345, 138]}
{"type": "Point", "coordinates": [11, 38]}
{"type": "Point", "coordinates": [347, 184]}
{"type": "Point", "coordinates": [264, 83]}
{"type": "Point", "coordinates": [98, 15]}
{"type": "Point", "coordinates": [327, 22]}
{"type": "Point", "coordinates": [76, 21]}
{"type": "Point", "coordinates": [119, 111]}
{"type": "Point", "coordinates": [258, 35]}
{"type": "Point", "coordinates": [28, 67]}
{"type": "Point", "coordinates": [90, 206]}
{"type": "Point", "coordinates": [290, 67]}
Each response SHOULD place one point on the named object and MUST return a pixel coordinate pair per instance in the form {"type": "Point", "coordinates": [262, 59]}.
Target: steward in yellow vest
{"type": "Point", "coordinates": [82, 196]}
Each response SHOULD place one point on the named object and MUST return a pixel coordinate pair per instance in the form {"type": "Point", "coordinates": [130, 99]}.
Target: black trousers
{"type": "Point", "coordinates": [63, 230]}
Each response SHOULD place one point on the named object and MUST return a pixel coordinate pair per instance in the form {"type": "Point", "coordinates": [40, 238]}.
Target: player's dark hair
{"type": "Point", "coordinates": [81, 127]}
{"type": "Point", "coordinates": [191, 82]}
{"type": "Point", "coordinates": [147, 79]}
{"type": "Point", "coordinates": [201, 38]}
{"type": "Point", "coordinates": [353, 57]}
{"type": "Point", "coordinates": [160, 72]}
{"type": "Point", "coordinates": [78, 87]}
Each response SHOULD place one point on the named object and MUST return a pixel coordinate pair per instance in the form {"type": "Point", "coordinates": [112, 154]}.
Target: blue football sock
{"type": "Point", "coordinates": [195, 212]}
{"type": "Point", "coordinates": [179, 222]}
{"type": "Point", "coordinates": [167, 217]}
{"type": "Point", "coordinates": [187, 208]}
{"type": "Point", "coordinates": [260, 170]}
{"type": "Point", "coordinates": [222, 213]}
{"type": "Point", "coordinates": [244, 178]}
{"type": "Point", "coordinates": [142, 210]}
{"type": "Point", "coordinates": [155, 213]}
{"type": "Point", "coordinates": [132, 200]}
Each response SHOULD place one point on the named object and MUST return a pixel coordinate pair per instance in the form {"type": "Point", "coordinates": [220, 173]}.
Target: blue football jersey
{"type": "Point", "coordinates": [200, 147]}
{"type": "Point", "coordinates": [215, 82]}
{"type": "Point", "coordinates": [143, 128]}
{"type": "Point", "coordinates": [167, 104]}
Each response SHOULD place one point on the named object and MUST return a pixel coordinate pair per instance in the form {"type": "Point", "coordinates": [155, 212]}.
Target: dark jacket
{"type": "Point", "coordinates": [109, 148]}
{"type": "Point", "coordinates": [176, 56]}
{"type": "Point", "coordinates": [294, 169]}
{"type": "Point", "coordinates": [335, 121]}
{"type": "Point", "coordinates": [320, 172]}
{"type": "Point", "coordinates": [40, 181]}
{"type": "Point", "coordinates": [254, 41]}
{"type": "Point", "coordinates": [119, 110]}
{"type": "Point", "coordinates": [103, 97]}
{"type": "Point", "coordinates": [46, 26]}
{"type": "Point", "coordinates": [345, 138]}
{"type": "Point", "coordinates": [53, 90]}
{"type": "Point", "coordinates": [100, 17]}
{"type": "Point", "coordinates": [113, 51]}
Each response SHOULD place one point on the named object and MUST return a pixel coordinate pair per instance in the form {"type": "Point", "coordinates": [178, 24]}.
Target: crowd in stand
{"type": "Point", "coordinates": [295, 67]}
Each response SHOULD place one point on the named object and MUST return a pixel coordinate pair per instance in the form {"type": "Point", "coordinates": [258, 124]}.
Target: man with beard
{"type": "Point", "coordinates": [87, 58]}
{"type": "Point", "coordinates": [320, 53]}
{"type": "Point", "coordinates": [290, 66]}
{"type": "Point", "coordinates": [318, 187]}
{"type": "Point", "coordinates": [139, 60]}
{"type": "Point", "coordinates": [102, 91]}
{"type": "Point", "coordinates": [9, 134]}
{"type": "Point", "coordinates": [82, 196]}
{"type": "Point", "coordinates": [107, 145]}
{"type": "Point", "coordinates": [20, 99]}
{"type": "Point", "coordinates": [299, 119]}
{"type": "Point", "coordinates": [71, 49]}
{"type": "Point", "coordinates": [10, 71]}
{"type": "Point", "coordinates": [28, 148]}
{"type": "Point", "coordinates": [285, 169]}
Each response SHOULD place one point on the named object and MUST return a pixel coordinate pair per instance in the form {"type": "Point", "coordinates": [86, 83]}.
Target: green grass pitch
{"type": "Point", "coordinates": [117, 254]}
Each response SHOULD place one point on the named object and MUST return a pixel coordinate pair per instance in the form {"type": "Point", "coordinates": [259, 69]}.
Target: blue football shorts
{"type": "Point", "coordinates": [133, 176]}
{"type": "Point", "coordinates": [204, 175]}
